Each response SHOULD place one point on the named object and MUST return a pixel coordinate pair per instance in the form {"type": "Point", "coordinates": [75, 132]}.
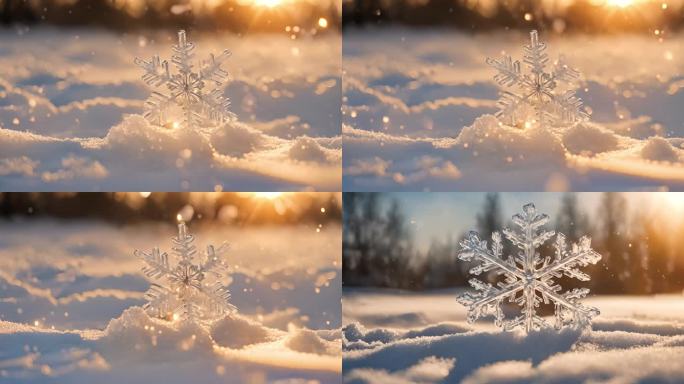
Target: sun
{"type": "Point", "coordinates": [268, 195]}
{"type": "Point", "coordinates": [267, 3]}
{"type": "Point", "coordinates": [620, 3]}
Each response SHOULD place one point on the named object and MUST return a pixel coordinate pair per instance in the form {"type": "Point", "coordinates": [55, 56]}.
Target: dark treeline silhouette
{"type": "Point", "coordinates": [579, 15]}
{"type": "Point", "coordinates": [126, 208]}
{"type": "Point", "coordinates": [641, 253]}
{"type": "Point", "coordinates": [232, 15]}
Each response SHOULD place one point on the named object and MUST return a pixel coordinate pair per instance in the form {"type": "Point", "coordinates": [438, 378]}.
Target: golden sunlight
{"type": "Point", "coordinates": [673, 200]}
{"type": "Point", "coordinates": [268, 3]}
{"type": "Point", "coordinates": [268, 195]}
{"type": "Point", "coordinates": [620, 3]}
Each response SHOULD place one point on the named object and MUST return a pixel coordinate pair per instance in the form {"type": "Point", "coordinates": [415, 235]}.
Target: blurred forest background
{"type": "Point", "coordinates": [244, 208]}
{"type": "Point", "coordinates": [642, 254]}
{"type": "Point", "coordinates": [553, 15]}
{"type": "Point", "coordinates": [240, 16]}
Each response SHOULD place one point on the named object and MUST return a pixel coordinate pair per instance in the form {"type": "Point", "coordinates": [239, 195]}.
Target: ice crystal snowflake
{"type": "Point", "coordinates": [186, 288]}
{"type": "Point", "coordinates": [535, 97]}
{"type": "Point", "coordinates": [181, 99]}
{"type": "Point", "coordinates": [527, 277]}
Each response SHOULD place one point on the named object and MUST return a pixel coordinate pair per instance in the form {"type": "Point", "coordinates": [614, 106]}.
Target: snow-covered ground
{"type": "Point", "coordinates": [401, 337]}
{"type": "Point", "coordinates": [70, 297]}
{"type": "Point", "coordinates": [70, 105]}
{"type": "Point", "coordinates": [418, 105]}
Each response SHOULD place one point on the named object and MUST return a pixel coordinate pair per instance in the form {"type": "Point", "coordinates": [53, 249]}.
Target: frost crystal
{"type": "Point", "coordinates": [527, 278]}
{"type": "Point", "coordinates": [181, 99]}
{"type": "Point", "coordinates": [189, 287]}
{"type": "Point", "coordinates": [535, 96]}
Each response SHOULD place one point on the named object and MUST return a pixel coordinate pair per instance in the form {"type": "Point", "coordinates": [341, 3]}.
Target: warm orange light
{"type": "Point", "coordinates": [268, 195]}
{"type": "Point", "coordinates": [620, 3]}
{"type": "Point", "coordinates": [267, 3]}
{"type": "Point", "coordinates": [673, 200]}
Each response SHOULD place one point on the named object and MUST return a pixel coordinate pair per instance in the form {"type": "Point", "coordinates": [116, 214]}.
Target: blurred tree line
{"type": "Point", "coordinates": [641, 255]}
{"type": "Point", "coordinates": [238, 16]}
{"type": "Point", "coordinates": [132, 207]}
{"type": "Point", "coordinates": [553, 15]}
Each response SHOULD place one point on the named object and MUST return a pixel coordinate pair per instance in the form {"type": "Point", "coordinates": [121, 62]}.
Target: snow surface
{"type": "Point", "coordinates": [71, 104]}
{"type": "Point", "coordinates": [71, 297]}
{"type": "Point", "coordinates": [401, 337]}
{"type": "Point", "coordinates": [419, 104]}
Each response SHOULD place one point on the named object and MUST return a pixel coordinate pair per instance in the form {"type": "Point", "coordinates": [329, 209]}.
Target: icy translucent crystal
{"type": "Point", "coordinates": [187, 285]}
{"type": "Point", "coordinates": [191, 96]}
{"type": "Point", "coordinates": [527, 277]}
{"type": "Point", "coordinates": [534, 97]}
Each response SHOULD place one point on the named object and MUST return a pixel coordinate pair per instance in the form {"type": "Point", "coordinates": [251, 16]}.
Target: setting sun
{"type": "Point", "coordinates": [620, 3]}
{"type": "Point", "coordinates": [267, 3]}
{"type": "Point", "coordinates": [268, 195]}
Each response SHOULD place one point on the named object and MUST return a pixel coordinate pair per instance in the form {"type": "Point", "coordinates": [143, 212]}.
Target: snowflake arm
{"type": "Point", "coordinates": [183, 54]}
{"type": "Point", "coordinates": [156, 71]}
{"type": "Point", "coordinates": [211, 70]}
{"type": "Point", "coordinates": [567, 262]}
{"type": "Point", "coordinates": [535, 55]}
{"type": "Point", "coordinates": [509, 71]}
{"type": "Point", "coordinates": [475, 249]}
{"type": "Point", "coordinates": [157, 263]}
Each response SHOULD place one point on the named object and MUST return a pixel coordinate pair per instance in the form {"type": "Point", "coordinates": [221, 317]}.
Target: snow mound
{"type": "Point", "coordinates": [234, 331]}
{"type": "Point", "coordinates": [490, 142]}
{"type": "Point", "coordinates": [429, 370]}
{"type": "Point", "coordinates": [138, 142]}
{"type": "Point", "coordinates": [470, 350]}
{"type": "Point", "coordinates": [653, 365]}
{"type": "Point", "coordinates": [308, 341]}
{"type": "Point", "coordinates": [659, 149]}
{"type": "Point", "coordinates": [236, 139]}
{"type": "Point", "coordinates": [307, 149]}
{"type": "Point", "coordinates": [454, 353]}
{"type": "Point", "coordinates": [589, 139]}
{"type": "Point", "coordinates": [134, 332]}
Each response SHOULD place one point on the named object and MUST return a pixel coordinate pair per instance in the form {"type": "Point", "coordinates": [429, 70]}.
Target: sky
{"type": "Point", "coordinates": [438, 215]}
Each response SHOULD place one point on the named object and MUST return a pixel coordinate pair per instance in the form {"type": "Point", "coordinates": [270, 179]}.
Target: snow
{"type": "Point", "coordinates": [71, 296]}
{"type": "Point", "coordinates": [71, 105]}
{"type": "Point", "coordinates": [415, 94]}
{"type": "Point", "coordinates": [635, 339]}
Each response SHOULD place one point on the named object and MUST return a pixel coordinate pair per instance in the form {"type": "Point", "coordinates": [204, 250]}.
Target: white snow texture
{"type": "Point", "coordinates": [400, 337]}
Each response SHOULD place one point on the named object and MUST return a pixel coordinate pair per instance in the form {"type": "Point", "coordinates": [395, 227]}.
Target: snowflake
{"type": "Point", "coordinates": [186, 288]}
{"type": "Point", "coordinates": [527, 278]}
{"type": "Point", "coordinates": [535, 97]}
{"type": "Point", "coordinates": [182, 99]}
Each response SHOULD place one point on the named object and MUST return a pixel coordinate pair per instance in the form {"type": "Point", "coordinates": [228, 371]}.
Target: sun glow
{"type": "Point", "coordinates": [268, 3]}
{"type": "Point", "coordinates": [268, 195]}
{"type": "Point", "coordinates": [620, 3]}
{"type": "Point", "coordinates": [673, 200]}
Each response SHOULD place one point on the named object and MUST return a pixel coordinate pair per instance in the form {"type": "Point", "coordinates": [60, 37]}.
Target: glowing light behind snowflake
{"type": "Point", "coordinates": [527, 277]}
{"type": "Point", "coordinates": [267, 3]}
{"type": "Point", "coordinates": [620, 3]}
{"type": "Point", "coordinates": [268, 195]}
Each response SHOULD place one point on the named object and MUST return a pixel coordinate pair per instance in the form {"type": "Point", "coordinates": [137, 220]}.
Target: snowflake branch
{"type": "Point", "coordinates": [474, 248]}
